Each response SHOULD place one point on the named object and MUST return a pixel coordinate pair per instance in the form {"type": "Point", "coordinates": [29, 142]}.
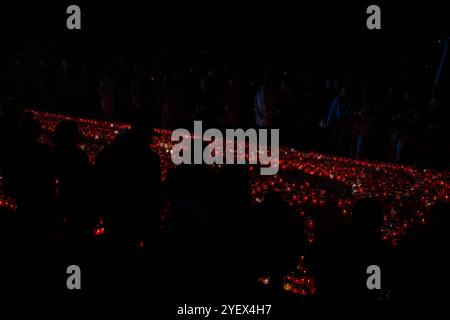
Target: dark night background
{"type": "Point", "coordinates": [324, 40]}
{"type": "Point", "coordinates": [314, 33]}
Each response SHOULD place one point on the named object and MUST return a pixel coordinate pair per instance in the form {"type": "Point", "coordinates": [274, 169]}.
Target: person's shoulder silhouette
{"type": "Point", "coordinates": [71, 168]}
{"type": "Point", "coordinates": [129, 176]}
{"type": "Point", "coordinates": [31, 172]}
{"type": "Point", "coordinates": [69, 159]}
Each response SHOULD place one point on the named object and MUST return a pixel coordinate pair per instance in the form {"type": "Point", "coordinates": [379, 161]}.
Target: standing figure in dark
{"type": "Point", "coordinates": [130, 197]}
{"type": "Point", "coordinates": [28, 178]}
{"type": "Point", "coordinates": [129, 176]}
{"type": "Point", "coordinates": [339, 119]}
{"type": "Point", "coordinates": [72, 171]}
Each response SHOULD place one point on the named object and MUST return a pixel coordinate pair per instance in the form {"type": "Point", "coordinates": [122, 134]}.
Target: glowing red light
{"type": "Point", "coordinates": [99, 231]}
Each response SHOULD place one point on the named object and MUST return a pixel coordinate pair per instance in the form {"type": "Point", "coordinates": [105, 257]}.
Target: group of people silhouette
{"type": "Point", "coordinates": [197, 234]}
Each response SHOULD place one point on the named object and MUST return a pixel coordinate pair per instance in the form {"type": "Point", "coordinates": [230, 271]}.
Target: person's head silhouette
{"type": "Point", "coordinates": [29, 127]}
{"type": "Point", "coordinates": [367, 215]}
{"type": "Point", "coordinates": [66, 134]}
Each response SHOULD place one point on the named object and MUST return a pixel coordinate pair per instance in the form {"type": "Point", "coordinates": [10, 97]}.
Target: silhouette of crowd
{"type": "Point", "coordinates": [390, 118]}
{"type": "Point", "coordinates": [194, 235]}
{"type": "Point", "coordinates": [197, 233]}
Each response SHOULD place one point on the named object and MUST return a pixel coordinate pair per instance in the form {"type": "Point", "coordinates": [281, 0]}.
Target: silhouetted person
{"type": "Point", "coordinates": [280, 237]}
{"type": "Point", "coordinates": [10, 114]}
{"type": "Point", "coordinates": [130, 201]}
{"type": "Point", "coordinates": [265, 106]}
{"type": "Point", "coordinates": [235, 231]}
{"type": "Point", "coordinates": [106, 91]}
{"type": "Point", "coordinates": [28, 176]}
{"type": "Point", "coordinates": [209, 223]}
{"type": "Point", "coordinates": [325, 254]}
{"type": "Point", "coordinates": [405, 124]}
{"type": "Point", "coordinates": [191, 254]}
{"type": "Point", "coordinates": [423, 259]}
{"type": "Point", "coordinates": [434, 122]}
{"type": "Point", "coordinates": [340, 118]}
{"type": "Point", "coordinates": [72, 171]}
{"type": "Point", "coordinates": [344, 258]}
{"type": "Point", "coordinates": [29, 180]}
{"type": "Point", "coordinates": [130, 186]}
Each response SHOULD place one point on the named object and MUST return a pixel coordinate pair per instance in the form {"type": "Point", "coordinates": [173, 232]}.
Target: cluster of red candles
{"type": "Point", "coordinates": [305, 180]}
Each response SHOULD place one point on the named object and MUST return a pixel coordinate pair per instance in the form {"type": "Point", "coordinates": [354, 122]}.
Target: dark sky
{"type": "Point", "coordinates": [326, 33]}
{"type": "Point", "coordinates": [219, 23]}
